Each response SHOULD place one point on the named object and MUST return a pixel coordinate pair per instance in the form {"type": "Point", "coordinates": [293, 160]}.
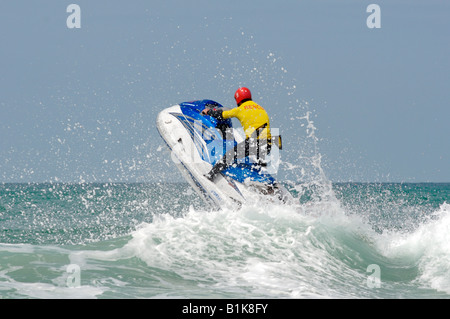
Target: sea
{"type": "Point", "coordinates": [159, 241]}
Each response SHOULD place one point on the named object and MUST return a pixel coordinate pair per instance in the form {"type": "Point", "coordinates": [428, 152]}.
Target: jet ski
{"type": "Point", "coordinates": [196, 142]}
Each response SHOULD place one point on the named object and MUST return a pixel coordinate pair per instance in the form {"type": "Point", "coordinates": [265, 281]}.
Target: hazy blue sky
{"type": "Point", "coordinates": [80, 104]}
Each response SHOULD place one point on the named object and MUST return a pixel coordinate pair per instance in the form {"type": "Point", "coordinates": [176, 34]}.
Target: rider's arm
{"type": "Point", "coordinates": [230, 113]}
{"type": "Point", "coordinates": [222, 114]}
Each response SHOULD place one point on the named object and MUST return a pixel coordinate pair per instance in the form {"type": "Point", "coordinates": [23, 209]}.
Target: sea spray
{"type": "Point", "coordinates": [427, 247]}
{"type": "Point", "coordinates": [317, 249]}
{"type": "Point", "coordinates": [307, 177]}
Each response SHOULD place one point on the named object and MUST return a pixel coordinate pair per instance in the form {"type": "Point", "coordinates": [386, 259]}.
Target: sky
{"type": "Point", "coordinates": [358, 103]}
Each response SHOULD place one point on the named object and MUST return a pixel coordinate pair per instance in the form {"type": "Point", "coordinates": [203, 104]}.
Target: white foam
{"type": "Point", "coordinates": [267, 250]}
{"type": "Point", "coordinates": [15, 279]}
{"type": "Point", "coordinates": [428, 247]}
{"type": "Point", "coordinates": [49, 291]}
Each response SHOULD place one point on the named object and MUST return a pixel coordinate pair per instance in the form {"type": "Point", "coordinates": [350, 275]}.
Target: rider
{"type": "Point", "coordinates": [255, 122]}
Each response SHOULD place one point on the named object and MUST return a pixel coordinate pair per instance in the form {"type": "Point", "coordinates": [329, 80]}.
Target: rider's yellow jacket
{"type": "Point", "coordinates": [253, 118]}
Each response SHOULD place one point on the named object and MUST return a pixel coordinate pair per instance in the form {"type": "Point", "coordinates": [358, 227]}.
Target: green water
{"type": "Point", "coordinates": [158, 241]}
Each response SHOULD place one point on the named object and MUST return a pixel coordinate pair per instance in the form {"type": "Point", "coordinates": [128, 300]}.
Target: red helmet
{"type": "Point", "coordinates": [242, 94]}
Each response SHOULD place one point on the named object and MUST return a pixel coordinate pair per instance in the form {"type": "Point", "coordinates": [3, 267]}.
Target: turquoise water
{"type": "Point", "coordinates": [104, 240]}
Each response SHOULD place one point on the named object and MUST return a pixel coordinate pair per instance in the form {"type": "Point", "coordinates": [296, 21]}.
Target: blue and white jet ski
{"type": "Point", "coordinates": [197, 142]}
